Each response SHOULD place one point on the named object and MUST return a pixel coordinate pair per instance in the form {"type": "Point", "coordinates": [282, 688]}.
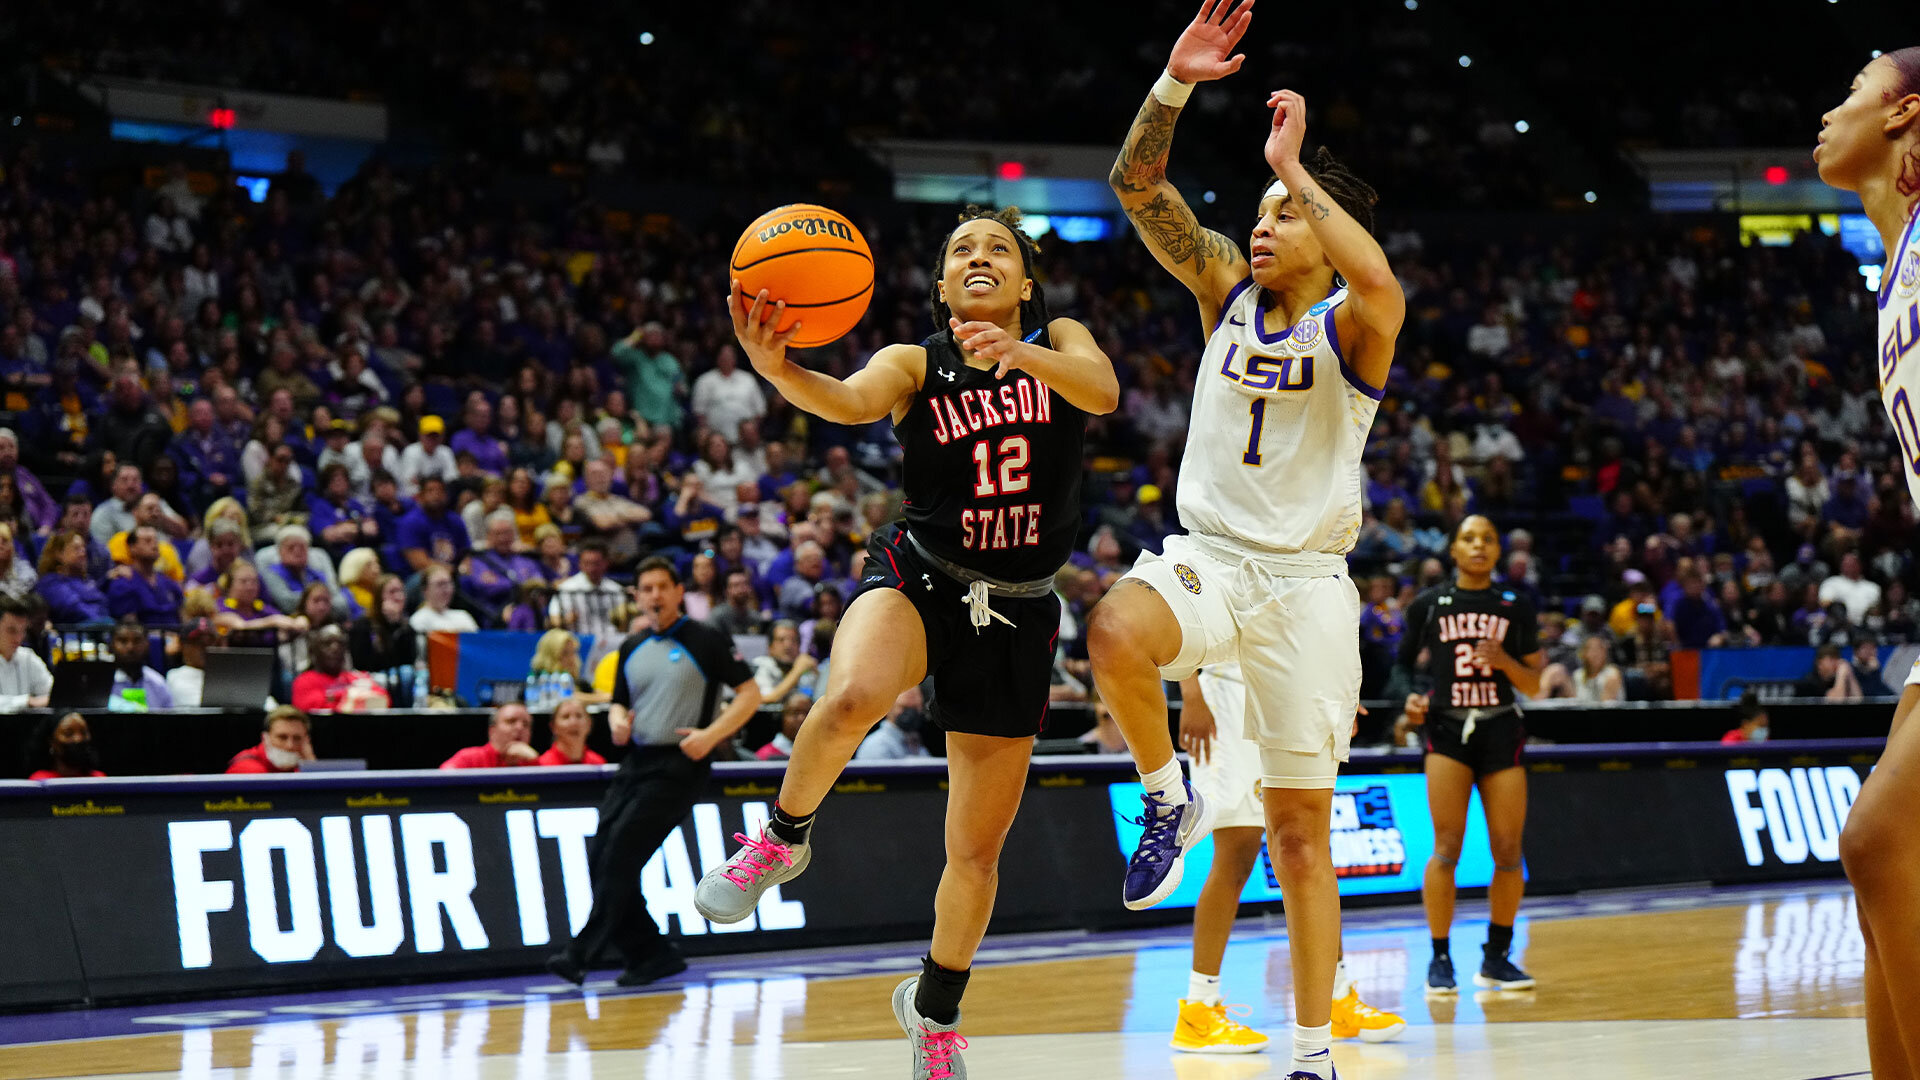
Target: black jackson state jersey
{"type": "Point", "coordinates": [1448, 622]}
{"type": "Point", "coordinates": [992, 467]}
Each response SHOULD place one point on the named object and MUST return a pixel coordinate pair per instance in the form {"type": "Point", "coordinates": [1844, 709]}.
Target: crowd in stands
{"type": "Point", "coordinates": [336, 425]}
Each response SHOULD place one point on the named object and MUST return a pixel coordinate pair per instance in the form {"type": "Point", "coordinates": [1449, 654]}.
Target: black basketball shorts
{"type": "Point", "coordinates": [990, 680]}
{"type": "Point", "coordinates": [1497, 742]}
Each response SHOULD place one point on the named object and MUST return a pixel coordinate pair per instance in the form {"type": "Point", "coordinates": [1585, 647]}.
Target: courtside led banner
{"type": "Point", "coordinates": [1382, 838]}
{"type": "Point", "coordinates": [127, 888]}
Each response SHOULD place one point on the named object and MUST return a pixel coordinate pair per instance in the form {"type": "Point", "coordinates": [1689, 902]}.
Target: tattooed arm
{"type": "Point", "coordinates": [1369, 321]}
{"type": "Point", "coordinates": [1206, 262]}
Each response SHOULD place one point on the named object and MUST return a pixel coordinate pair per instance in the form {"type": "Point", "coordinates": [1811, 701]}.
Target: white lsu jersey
{"type": "Point", "coordinates": [1272, 462]}
{"type": "Point", "coordinates": [1900, 346]}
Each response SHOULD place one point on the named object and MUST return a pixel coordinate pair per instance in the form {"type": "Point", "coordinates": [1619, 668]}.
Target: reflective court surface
{"type": "Point", "coordinates": [1751, 983]}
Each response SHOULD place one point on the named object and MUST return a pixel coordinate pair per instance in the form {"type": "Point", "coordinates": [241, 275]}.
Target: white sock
{"type": "Point", "coordinates": [1342, 982]}
{"type": "Point", "coordinates": [1203, 988]}
{"type": "Point", "coordinates": [1167, 783]}
{"type": "Point", "coordinates": [1313, 1051]}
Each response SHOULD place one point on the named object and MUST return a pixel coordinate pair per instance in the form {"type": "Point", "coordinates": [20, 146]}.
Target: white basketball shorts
{"type": "Point", "coordinates": [1292, 623]}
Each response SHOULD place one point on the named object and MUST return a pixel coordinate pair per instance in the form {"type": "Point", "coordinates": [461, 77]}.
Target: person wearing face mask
{"type": "Point", "coordinates": [25, 682]}
{"type": "Point", "coordinates": [66, 745]}
{"type": "Point", "coordinates": [286, 740]}
{"type": "Point", "coordinates": [898, 736]}
{"type": "Point", "coordinates": [1753, 722]}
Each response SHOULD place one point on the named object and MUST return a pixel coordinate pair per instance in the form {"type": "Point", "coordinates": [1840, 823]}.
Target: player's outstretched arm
{"type": "Point", "coordinates": [1076, 367]}
{"type": "Point", "coordinates": [867, 395]}
{"type": "Point", "coordinates": [1206, 262]}
{"type": "Point", "coordinates": [1376, 301]}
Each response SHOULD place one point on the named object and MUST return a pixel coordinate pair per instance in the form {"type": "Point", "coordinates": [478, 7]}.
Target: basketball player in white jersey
{"type": "Point", "coordinates": [1870, 144]}
{"type": "Point", "coordinates": [1301, 337]}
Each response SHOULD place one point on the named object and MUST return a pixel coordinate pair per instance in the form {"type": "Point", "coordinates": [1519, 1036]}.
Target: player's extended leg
{"type": "Point", "coordinates": [1449, 789]}
{"type": "Point", "coordinates": [1131, 634]}
{"type": "Point", "coordinates": [1504, 795]}
{"type": "Point", "coordinates": [1299, 843]}
{"type": "Point", "coordinates": [879, 651]}
{"type": "Point", "coordinates": [986, 776]}
{"type": "Point", "coordinates": [1880, 848]}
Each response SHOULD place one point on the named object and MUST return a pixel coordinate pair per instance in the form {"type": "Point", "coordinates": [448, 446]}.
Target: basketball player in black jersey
{"type": "Point", "coordinates": [1480, 646]}
{"type": "Point", "coordinates": [991, 412]}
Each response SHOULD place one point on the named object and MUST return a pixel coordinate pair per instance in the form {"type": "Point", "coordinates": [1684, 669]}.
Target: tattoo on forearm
{"type": "Point", "coordinates": [1143, 157]}
{"type": "Point", "coordinates": [1171, 227]}
{"type": "Point", "coordinates": [1314, 204]}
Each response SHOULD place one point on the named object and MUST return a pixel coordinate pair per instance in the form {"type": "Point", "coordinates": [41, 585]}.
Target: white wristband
{"type": "Point", "coordinates": [1170, 91]}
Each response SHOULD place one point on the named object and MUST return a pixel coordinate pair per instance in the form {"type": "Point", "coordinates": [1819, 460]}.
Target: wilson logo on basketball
{"type": "Point", "coordinates": [816, 226]}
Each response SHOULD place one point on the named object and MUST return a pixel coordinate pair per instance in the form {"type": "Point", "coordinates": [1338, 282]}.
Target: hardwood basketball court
{"type": "Point", "coordinates": [1753, 984]}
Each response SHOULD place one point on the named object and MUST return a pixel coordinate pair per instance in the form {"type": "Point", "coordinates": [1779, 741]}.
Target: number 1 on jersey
{"type": "Point", "coordinates": [1258, 411]}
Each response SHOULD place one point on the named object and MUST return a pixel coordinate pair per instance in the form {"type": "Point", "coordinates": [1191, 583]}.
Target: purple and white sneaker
{"type": "Point", "coordinates": [1154, 871]}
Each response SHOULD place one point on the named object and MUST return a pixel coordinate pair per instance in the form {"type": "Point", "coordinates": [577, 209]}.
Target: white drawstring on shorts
{"type": "Point", "coordinates": [979, 609]}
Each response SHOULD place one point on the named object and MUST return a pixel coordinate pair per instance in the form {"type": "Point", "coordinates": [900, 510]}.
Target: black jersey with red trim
{"type": "Point", "coordinates": [992, 466]}
{"type": "Point", "coordinates": [1448, 622]}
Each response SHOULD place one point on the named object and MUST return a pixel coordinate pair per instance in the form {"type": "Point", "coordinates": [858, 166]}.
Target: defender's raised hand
{"type": "Point", "coordinates": [1205, 49]}
{"type": "Point", "coordinates": [1289, 129]}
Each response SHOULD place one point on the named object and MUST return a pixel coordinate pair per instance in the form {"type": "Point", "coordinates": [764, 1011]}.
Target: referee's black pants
{"type": "Point", "coordinates": [652, 793]}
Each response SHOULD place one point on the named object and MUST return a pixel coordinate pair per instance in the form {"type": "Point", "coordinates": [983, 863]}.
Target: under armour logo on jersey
{"type": "Point", "coordinates": [948, 375]}
{"type": "Point", "coordinates": [928, 578]}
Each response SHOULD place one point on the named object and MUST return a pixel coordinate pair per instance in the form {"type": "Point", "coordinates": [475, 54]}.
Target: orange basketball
{"type": "Point", "coordinates": [815, 260]}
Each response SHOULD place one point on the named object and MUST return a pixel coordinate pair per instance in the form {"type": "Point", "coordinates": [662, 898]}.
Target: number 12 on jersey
{"type": "Point", "coordinates": [1015, 452]}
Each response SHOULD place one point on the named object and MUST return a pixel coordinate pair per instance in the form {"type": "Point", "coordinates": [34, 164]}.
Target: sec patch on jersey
{"type": "Point", "coordinates": [1188, 579]}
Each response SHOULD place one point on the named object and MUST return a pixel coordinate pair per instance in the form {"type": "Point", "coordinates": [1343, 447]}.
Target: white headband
{"type": "Point", "coordinates": [1276, 188]}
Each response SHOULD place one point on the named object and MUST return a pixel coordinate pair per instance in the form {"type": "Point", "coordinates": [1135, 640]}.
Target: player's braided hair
{"type": "Point", "coordinates": [1033, 311]}
{"type": "Point", "coordinates": [1354, 195]}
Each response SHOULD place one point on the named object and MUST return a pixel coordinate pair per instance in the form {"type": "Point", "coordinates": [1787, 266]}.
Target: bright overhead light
{"type": "Point", "coordinates": [1521, 126]}
{"type": "Point", "coordinates": [1208, 198]}
{"type": "Point", "coordinates": [646, 37]}
{"type": "Point", "coordinates": [1413, 5]}
{"type": "Point", "coordinates": [1466, 61]}
{"type": "Point", "coordinates": [1591, 197]}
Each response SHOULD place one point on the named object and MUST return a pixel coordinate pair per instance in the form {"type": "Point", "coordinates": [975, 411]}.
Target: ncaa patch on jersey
{"type": "Point", "coordinates": [1188, 579]}
{"type": "Point", "coordinates": [1306, 333]}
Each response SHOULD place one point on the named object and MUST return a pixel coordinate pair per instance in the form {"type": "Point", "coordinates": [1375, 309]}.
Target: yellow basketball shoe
{"type": "Point", "coordinates": [1355, 1018]}
{"type": "Point", "coordinates": [1211, 1029]}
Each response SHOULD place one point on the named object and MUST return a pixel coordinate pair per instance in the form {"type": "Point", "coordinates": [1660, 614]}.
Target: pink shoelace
{"type": "Point", "coordinates": [940, 1046]}
{"type": "Point", "coordinates": [744, 871]}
